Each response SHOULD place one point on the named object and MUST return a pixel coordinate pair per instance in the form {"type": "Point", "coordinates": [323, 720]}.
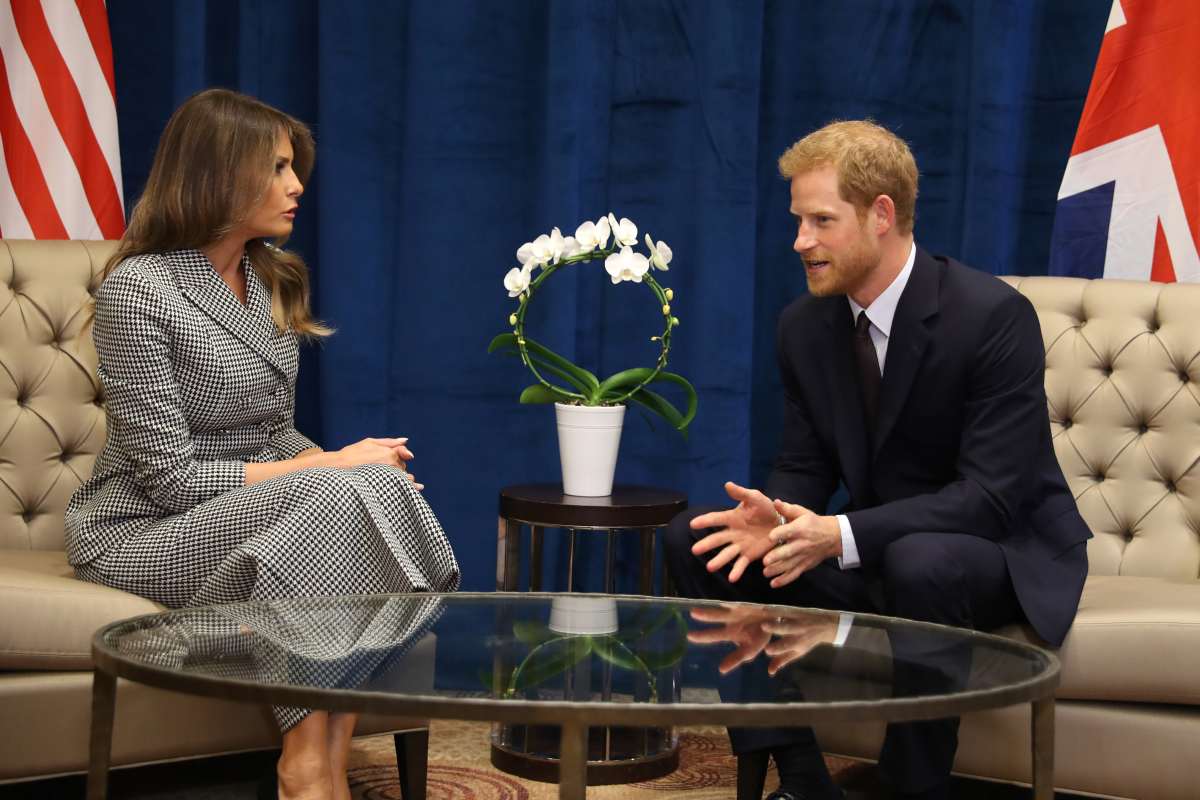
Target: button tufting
{"type": "Point", "coordinates": [27, 516]}
{"type": "Point", "coordinates": [1128, 535]}
{"type": "Point", "coordinates": [64, 456]}
{"type": "Point", "coordinates": [1106, 369]}
{"type": "Point", "coordinates": [1066, 423]}
{"type": "Point", "coordinates": [1170, 486]}
{"type": "Point", "coordinates": [1099, 476]}
{"type": "Point", "coordinates": [1143, 429]}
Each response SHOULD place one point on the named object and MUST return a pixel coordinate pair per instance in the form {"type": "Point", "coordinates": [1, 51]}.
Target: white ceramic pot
{"type": "Point", "coordinates": [588, 440]}
{"type": "Point", "coordinates": [577, 616]}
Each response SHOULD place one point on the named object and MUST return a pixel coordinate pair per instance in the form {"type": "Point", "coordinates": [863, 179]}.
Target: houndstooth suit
{"type": "Point", "coordinates": [196, 385]}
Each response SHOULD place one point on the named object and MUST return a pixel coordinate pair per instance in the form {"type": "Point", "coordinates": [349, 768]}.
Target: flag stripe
{"type": "Point", "coordinates": [32, 114]}
{"type": "Point", "coordinates": [13, 224]}
{"type": "Point", "coordinates": [29, 186]}
{"type": "Point", "coordinates": [95, 21]}
{"type": "Point", "coordinates": [70, 115]}
{"type": "Point", "coordinates": [71, 36]}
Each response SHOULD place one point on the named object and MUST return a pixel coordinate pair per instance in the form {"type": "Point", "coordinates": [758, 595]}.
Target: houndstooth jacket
{"type": "Point", "coordinates": [187, 396]}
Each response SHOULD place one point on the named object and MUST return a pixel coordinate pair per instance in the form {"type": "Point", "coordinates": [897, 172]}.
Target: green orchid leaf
{"type": "Point", "coordinates": [616, 653]}
{"type": "Point", "coordinates": [549, 659]}
{"type": "Point", "coordinates": [646, 623]}
{"type": "Point", "coordinates": [537, 393]}
{"type": "Point", "coordinates": [659, 405]}
{"type": "Point", "coordinates": [661, 659]}
{"type": "Point", "coordinates": [532, 632]}
{"type": "Point", "coordinates": [689, 391]}
{"type": "Point", "coordinates": [579, 376]}
{"type": "Point", "coordinates": [625, 379]}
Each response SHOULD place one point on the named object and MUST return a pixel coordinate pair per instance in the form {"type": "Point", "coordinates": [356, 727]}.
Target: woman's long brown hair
{"type": "Point", "coordinates": [214, 163]}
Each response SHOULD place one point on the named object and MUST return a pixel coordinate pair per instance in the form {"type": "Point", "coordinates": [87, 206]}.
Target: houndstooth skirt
{"type": "Point", "coordinates": [313, 533]}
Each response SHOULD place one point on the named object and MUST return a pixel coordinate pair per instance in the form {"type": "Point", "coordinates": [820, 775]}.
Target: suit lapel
{"type": "Point", "coordinates": [849, 430]}
{"type": "Point", "coordinates": [906, 345]}
{"type": "Point", "coordinates": [203, 287]}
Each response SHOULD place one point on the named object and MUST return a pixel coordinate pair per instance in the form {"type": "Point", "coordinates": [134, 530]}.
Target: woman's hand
{"type": "Point", "coordinates": [393, 452]}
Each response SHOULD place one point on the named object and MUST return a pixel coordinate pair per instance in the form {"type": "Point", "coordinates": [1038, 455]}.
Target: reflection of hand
{"type": "Point", "coordinates": [745, 538]}
{"type": "Point", "coordinates": [741, 625]}
{"type": "Point", "coordinates": [797, 634]}
{"type": "Point", "coordinates": [750, 630]}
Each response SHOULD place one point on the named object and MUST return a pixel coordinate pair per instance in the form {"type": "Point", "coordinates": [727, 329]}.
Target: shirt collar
{"type": "Point", "coordinates": [883, 310]}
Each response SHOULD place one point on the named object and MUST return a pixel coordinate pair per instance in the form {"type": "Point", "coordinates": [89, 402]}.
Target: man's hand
{"type": "Point", "coordinates": [798, 632]}
{"type": "Point", "coordinates": [745, 538]}
{"type": "Point", "coordinates": [804, 541]}
{"type": "Point", "coordinates": [741, 625]}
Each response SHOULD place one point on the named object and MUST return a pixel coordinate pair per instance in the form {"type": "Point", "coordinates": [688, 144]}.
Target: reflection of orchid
{"type": "Point", "coordinates": [553, 653]}
{"type": "Point", "coordinates": [626, 266]}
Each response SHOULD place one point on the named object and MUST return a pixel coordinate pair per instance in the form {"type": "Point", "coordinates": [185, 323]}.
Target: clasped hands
{"type": "Point", "coordinates": [752, 531]}
{"type": "Point", "coordinates": [393, 452]}
{"type": "Point", "coordinates": [750, 629]}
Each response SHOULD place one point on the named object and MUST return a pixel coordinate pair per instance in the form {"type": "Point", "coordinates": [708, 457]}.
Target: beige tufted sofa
{"type": "Point", "coordinates": [51, 429]}
{"type": "Point", "coordinates": [1123, 388]}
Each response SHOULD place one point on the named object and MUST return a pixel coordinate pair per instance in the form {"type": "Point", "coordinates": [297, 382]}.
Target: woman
{"type": "Point", "coordinates": [205, 492]}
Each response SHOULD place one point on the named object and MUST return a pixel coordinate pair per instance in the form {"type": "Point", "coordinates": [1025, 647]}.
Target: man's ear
{"type": "Point", "coordinates": [884, 211]}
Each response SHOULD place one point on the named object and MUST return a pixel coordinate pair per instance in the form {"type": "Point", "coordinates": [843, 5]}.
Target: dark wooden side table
{"type": "Point", "coordinates": [614, 754]}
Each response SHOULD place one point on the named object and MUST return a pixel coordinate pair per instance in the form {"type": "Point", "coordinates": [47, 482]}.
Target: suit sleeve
{"type": "Point", "coordinates": [803, 473]}
{"type": "Point", "coordinates": [145, 412]}
{"type": "Point", "coordinates": [1004, 427]}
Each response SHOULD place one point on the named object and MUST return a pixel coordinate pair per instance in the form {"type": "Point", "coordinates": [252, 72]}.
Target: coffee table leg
{"type": "Point", "coordinates": [572, 763]}
{"type": "Point", "coordinates": [104, 700]}
{"type": "Point", "coordinates": [508, 555]}
{"type": "Point", "coordinates": [1043, 749]}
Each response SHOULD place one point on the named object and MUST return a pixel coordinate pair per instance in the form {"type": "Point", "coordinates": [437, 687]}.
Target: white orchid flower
{"type": "Point", "coordinates": [626, 265]}
{"type": "Point", "coordinates": [660, 254]}
{"type": "Point", "coordinates": [588, 237]}
{"type": "Point", "coordinates": [525, 254]}
{"type": "Point", "coordinates": [624, 232]}
{"type": "Point", "coordinates": [602, 232]}
{"type": "Point", "coordinates": [573, 247]}
{"type": "Point", "coordinates": [557, 245]}
{"type": "Point", "coordinates": [517, 279]}
{"type": "Point", "coordinates": [542, 250]}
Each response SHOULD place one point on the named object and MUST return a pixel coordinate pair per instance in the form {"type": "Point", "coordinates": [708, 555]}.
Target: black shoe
{"type": "Point", "coordinates": [783, 794]}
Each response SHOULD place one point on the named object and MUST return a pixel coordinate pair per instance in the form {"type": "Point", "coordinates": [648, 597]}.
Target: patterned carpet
{"type": "Point", "coordinates": [460, 769]}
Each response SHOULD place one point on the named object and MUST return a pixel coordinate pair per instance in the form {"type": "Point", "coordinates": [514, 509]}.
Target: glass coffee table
{"type": "Point", "coordinates": [567, 663]}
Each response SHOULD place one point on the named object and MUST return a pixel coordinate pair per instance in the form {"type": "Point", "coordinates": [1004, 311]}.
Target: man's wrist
{"type": "Point", "coordinates": [834, 532]}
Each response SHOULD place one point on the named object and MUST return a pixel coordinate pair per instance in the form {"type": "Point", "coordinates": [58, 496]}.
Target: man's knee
{"type": "Point", "coordinates": [921, 569]}
{"type": "Point", "coordinates": [679, 536]}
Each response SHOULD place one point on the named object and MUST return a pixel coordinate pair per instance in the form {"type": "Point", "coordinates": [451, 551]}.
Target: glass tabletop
{"type": "Point", "coordinates": [537, 651]}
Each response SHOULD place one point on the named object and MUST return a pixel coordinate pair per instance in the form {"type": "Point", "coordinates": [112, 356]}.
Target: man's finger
{"type": "Point", "coordinates": [712, 613]}
{"type": "Point", "coordinates": [729, 553]}
{"type": "Point", "coordinates": [713, 519]}
{"type": "Point", "coordinates": [709, 635]}
{"type": "Point", "coordinates": [712, 542]}
{"type": "Point", "coordinates": [787, 577]}
{"type": "Point", "coordinates": [739, 567]}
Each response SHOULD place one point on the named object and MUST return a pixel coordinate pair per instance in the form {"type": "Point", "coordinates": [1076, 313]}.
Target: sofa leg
{"type": "Point", "coordinates": [412, 761]}
{"type": "Point", "coordinates": [752, 774]}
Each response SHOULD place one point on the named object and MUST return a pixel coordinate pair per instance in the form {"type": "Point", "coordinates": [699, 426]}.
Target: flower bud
{"type": "Point", "coordinates": [666, 309]}
{"type": "Point", "coordinates": [512, 319]}
{"type": "Point", "coordinates": [670, 295]}
{"type": "Point", "coordinates": [674, 321]}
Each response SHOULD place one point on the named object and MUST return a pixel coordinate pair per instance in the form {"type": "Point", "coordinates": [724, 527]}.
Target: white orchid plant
{"type": "Point", "coordinates": [552, 252]}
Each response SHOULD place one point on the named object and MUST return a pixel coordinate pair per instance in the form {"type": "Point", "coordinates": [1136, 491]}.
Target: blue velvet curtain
{"type": "Point", "coordinates": [449, 132]}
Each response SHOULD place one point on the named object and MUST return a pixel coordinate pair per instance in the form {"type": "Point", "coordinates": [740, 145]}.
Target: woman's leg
{"type": "Point", "coordinates": [304, 764]}
{"type": "Point", "coordinates": [341, 732]}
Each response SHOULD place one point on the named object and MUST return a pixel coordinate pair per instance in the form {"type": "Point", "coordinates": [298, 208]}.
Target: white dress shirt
{"type": "Point", "coordinates": [880, 314]}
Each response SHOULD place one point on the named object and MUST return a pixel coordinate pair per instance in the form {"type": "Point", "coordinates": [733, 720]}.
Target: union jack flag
{"type": "Point", "coordinates": [1129, 204]}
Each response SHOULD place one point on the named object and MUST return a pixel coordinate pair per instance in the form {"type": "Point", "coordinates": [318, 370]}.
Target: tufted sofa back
{"type": "Point", "coordinates": [51, 419]}
{"type": "Point", "coordinates": [1123, 388]}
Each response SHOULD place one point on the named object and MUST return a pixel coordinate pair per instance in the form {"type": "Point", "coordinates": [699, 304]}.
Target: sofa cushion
{"type": "Point", "coordinates": [49, 616]}
{"type": "Point", "coordinates": [1134, 639]}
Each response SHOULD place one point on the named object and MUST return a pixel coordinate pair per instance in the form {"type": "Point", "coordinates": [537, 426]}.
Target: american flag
{"type": "Point", "coordinates": [60, 166]}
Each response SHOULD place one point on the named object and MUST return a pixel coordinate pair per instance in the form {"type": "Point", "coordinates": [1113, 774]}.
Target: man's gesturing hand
{"type": "Point", "coordinates": [805, 541]}
{"type": "Point", "coordinates": [745, 538]}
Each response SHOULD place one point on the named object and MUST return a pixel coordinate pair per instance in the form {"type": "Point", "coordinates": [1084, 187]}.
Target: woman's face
{"type": "Point", "coordinates": [273, 217]}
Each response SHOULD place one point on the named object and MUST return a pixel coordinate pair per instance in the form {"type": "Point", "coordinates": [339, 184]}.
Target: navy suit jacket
{"type": "Point", "coordinates": [963, 437]}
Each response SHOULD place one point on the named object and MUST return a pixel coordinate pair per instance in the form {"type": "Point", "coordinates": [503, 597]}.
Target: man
{"type": "Point", "coordinates": [917, 383]}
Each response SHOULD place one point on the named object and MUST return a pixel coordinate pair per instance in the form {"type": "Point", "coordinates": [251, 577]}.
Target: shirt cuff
{"type": "Point", "coordinates": [845, 622]}
{"type": "Point", "coordinates": [849, 558]}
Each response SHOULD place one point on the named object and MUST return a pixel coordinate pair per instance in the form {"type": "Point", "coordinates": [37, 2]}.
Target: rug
{"type": "Point", "coordinates": [460, 769]}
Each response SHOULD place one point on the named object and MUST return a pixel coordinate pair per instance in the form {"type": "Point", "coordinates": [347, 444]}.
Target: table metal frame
{"type": "Point", "coordinates": [574, 718]}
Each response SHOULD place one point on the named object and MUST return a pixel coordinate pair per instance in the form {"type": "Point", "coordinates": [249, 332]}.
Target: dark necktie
{"type": "Point", "coordinates": [869, 377]}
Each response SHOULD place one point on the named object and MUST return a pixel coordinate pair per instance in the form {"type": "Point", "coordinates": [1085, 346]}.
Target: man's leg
{"type": "Point", "coordinates": [796, 752]}
{"type": "Point", "coordinates": [953, 579]}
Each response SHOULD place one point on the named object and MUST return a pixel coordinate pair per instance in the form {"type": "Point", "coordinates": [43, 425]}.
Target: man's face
{"type": "Point", "coordinates": [839, 251]}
